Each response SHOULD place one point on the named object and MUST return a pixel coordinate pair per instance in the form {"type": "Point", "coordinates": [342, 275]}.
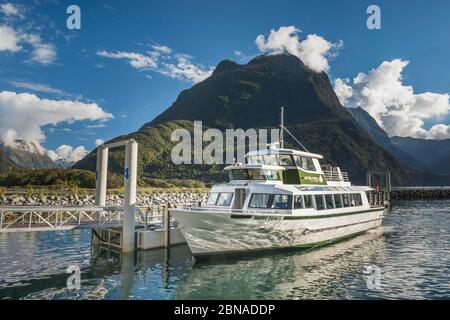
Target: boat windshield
{"type": "Point", "coordinates": [306, 163]}
{"type": "Point", "coordinates": [271, 159]}
{"type": "Point", "coordinates": [254, 174]}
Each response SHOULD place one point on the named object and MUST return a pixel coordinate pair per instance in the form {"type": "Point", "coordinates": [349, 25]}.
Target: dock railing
{"type": "Point", "coordinates": [48, 218]}
{"type": "Point", "coordinates": [16, 218]}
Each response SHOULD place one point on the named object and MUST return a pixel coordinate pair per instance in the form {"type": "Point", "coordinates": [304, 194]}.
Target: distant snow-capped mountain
{"type": "Point", "coordinates": [30, 155]}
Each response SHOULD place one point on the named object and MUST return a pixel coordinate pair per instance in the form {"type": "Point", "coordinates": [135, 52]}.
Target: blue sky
{"type": "Point", "coordinates": [210, 31]}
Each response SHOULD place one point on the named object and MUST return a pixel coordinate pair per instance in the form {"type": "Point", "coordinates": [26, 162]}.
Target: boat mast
{"type": "Point", "coordinates": [282, 128]}
{"type": "Point", "coordinates": [282, 133]}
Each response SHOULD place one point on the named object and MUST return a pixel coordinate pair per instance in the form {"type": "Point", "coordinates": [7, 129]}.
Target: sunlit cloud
{"type": "Point", "coordinates": [396, 107]}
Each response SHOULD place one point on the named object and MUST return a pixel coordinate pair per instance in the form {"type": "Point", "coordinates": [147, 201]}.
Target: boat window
{"type": "Point", "coordinates": [338, 200]}
{"type": "Point", "coordinates": [271, 160]}
{"type": "Point", "coordinates": [310, 164]}
{"type": "Point", "coordinates": [286, 160]}
{"type": "Point", "coordinates": [320, 205]}
{"type": "Point", "coordinates": [304, 163]}
{"type": "Point", "coordinates": [329, 201]}
{"type": "Point", "coordinates": [240, 174]}
{"type": "Point", "coordinates": [308, 201]}
{"type": "Point", "coordinates": [358, 199]}
{"type": "Point", "coordinates": [212, 199]}
{"type": "Point", "coordinates": [282, 201]}
{"type": "Point", "coordinates": [259, 200]}
{"type": "Point", "coordinates": [272, 174]}
{"type": "Point", "coordinates": [255, 175]}
{"type": "Point", "coordinates": [257, 160]}
{"type": "Point", "coordinates": [298, 202]}
{"type": "Point", "coordinates": [225, 199]}
{"type": "Point", "coordinates": [346, 200]}
{"type": "Point", "coordinates": [352, 200]}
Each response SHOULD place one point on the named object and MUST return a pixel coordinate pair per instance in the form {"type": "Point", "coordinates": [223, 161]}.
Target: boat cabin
{"type": "Point", "coordinates": [299, 167]}
{"type": "Point", "coordinates": [273, 198]}
{"type": "Point", "coordinates": [272, 179]}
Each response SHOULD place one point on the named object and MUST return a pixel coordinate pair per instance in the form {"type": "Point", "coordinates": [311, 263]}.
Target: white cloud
{"type": "Point", "coordinates": [43, 53]}
{"type": "Point", "coordinates": [68, 153]}
{"type": "Point", "coordinates": [314, 50]}
{"type": "Point", "coordinates": [13, 40]}
{"type": "Point", "coordinates": [162, 49]}
{"type": "Point", "coordinates": [38, 87]}
{"type": "Point", "coordinates": [395, 106]}
{"type": "Point", "coordinates": [11, 10]}
{"type": "Point", "coordinates": [343, 90]}
{"type": "Point", "coordinates": [136, 60]}
{"type": "Point", "coordinates": [162, 60]}
{"type": "Point", "coordinates": [99, 142]}
{"type": "Point", "coordinates": [44, 88]}
{"type": "Point", "coordinates": [184, 69]}
{"type": "Point", "coordinates": [9, 39]}
{"type": "Point", "coordinates": [95, 126]}
{"type": "Point", "coordinates": [242, 57]}
{"type": "Point", "coordinates": [22, 115]}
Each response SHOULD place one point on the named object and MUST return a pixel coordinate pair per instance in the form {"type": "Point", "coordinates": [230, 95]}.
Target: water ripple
{"type": "Point", "coordinates": [411, 249]}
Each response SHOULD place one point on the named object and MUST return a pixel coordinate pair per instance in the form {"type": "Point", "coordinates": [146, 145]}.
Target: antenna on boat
{"type": "Point", "coordinates": [282, 128]}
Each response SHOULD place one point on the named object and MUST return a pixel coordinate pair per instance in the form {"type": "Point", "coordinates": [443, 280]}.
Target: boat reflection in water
{"type": "Point", "coordinates": [318, 273]}
{"type": "Point", "coordinates": [327, 272]}
{"type": "Point", "coordinates": [322, 272]}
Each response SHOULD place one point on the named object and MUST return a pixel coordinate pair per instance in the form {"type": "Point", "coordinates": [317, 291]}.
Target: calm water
{"type": "Point", "coordinates": [412, 251]}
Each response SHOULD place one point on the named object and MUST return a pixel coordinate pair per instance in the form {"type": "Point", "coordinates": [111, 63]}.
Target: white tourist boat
{"type": "Point", "coordinates": [280, 198]}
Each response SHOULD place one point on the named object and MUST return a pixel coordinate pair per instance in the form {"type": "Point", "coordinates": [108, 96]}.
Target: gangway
{"type": "Point", "coordinates": [54, 218]}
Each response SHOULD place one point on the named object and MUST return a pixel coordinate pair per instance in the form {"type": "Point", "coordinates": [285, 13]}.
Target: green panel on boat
{"type": "Point", "coordinates": [295, 176]}
{"type": "Point", "coordinates": [312, 178]}
{"type": "Point", "coordinates": [291, 176]}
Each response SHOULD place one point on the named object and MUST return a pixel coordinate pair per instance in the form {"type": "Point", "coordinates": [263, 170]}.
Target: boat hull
{"type": "Point", "coordinates": [209, 233]}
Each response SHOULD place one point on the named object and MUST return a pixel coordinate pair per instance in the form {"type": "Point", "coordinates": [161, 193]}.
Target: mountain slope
{"type": "Point", "coordinates": [429, 155]}
{"type": "Point", "coordinates": [426, 161]}
{"type": "Point", "coordinates": [5, 163]}
{"type": "Point", "coordinates": [379, 136]}
{"type": "Point", "coordinates": [250, 96]}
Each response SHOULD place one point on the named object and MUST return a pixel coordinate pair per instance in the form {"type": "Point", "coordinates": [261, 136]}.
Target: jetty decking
{"type": "Point", "coordinates": [420, 193]}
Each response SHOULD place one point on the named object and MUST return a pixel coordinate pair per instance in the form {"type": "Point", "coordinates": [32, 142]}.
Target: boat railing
{"type": "Point", "coordinates": [332, 175]}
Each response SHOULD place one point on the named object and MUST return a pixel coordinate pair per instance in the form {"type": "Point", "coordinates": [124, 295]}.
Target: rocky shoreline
{"type": "Point", "coordinates": [78, 200]}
